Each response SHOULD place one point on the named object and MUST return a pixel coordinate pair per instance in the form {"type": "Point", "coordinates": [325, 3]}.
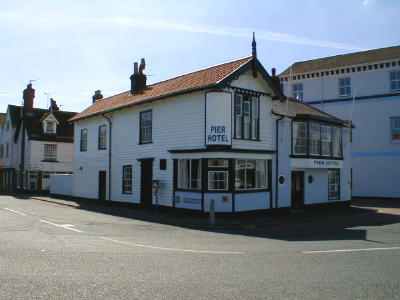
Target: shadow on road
{"type": "Point", "coordinates": [312, 224]}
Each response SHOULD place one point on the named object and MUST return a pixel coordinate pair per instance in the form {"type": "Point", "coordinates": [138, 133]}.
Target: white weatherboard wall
{"type": "Point", "coordinates": [61, 184]}
{"type": "Point", "coordinates": [252, 201]}
{"type": "Point", "coordinates": [284, 167]}
{"type": "Point", "coordinates": [34, 160]}
{"type": "Point", "coordinates": [218, 118]}
{"type": "Point", "coordinates": [178, 123]}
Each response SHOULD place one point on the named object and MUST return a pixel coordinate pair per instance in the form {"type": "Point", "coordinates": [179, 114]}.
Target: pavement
{"type": "Point", "coordinates": [49, 250]}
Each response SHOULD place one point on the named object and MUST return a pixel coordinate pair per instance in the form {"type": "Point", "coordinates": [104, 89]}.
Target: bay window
{"type": "Point", "coordinates": [189, 174]}
{"type": "Point", "coordinates": [246, 112]}
{"type": "Point", "coordinates": [310, 138]}
{"type": "Point", "coordinates": [251, 174]}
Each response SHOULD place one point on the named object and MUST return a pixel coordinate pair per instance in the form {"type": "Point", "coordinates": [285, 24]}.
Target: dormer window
{"type": "Point", "coordinates": [50, 127]}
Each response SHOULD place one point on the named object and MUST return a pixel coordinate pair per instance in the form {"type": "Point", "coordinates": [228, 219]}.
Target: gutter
{"type": "Point", "coordinates": [109, 153]}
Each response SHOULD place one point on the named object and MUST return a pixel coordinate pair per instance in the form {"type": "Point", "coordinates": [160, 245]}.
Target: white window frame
{"type": "Point", "coordinates": [146, 127]}
{"type": "Point", "coordinates": [259, 184]}
{"type": "Point", "coordinates": [226, 180]}
{"type": "Point", "coordinates": [344, 87]}
{"type": "Point", "coordinates": [326, 140]}
{"type": "Point", "coordinates": [295, 138]}
{"type": "Point", "coordinates": [394, 80]}
{"type": "Point", "coordinates": [298, 91]}
{"type": "Point", "coordinates": [102, 140]}
{"type": "Point", "coordinates": [334, 182]}
{"type": "Point", "coordinates": [83, 146]}
{"type": "Point", "coordinates": [184, 177]}
{"type": "Point", "coordinates": [50, 152]}
{"type": "Point", "coordinates": [127, 179]}
{"type": "Point", "coordinates": [51, 127]}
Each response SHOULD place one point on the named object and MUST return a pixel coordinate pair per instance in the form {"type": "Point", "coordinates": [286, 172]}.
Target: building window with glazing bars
{"type": "Point", "coordinates": [50, 152]}
{"type": "Point", "coordinates": [218, 174]}
{"type": "Point", "coordinates": [299, 138]}
{"type": "Point", "coordinates": [395, 81]}
{"type": "Point", "coordinates": [84, 140]}
{"type": "Point", "coordinates": [102, 142]}
{"type": "Point", "coordinates": [246, 111]}
{"type": "Point", "coordinates": [395, 129]}
{"type": "Point", "coordinates": [251, 174]}
{"type": "Point", "coordinates": [297, 91]}
{"type": "Point", "coordinates": [334, 184]}
{"type": "Point", "coordinates": [146, 127]}
{"type": "Point", "coordinates": [127, 179]}
{"type": "Point", "coordinates": [345, 87]}
{"type": "Point", "coordinates": [189, 174]}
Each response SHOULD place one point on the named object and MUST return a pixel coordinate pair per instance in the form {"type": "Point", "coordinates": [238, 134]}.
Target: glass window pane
{"type": "Point", "coordinates": [218, 163]}
{"type": "Point", "coordinates": [315, 138]}
{"type": "Point", "coordinates": [299, 138]}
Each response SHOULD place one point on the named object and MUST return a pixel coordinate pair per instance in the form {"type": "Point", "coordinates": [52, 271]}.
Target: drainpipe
{"type": "Point", "coordinates": [276, 156]}
{"type": "Point", "coordinates": [109, 152]}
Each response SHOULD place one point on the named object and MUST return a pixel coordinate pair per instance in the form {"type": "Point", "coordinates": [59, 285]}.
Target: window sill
{"type": "Point", "coordinates": [126, 193]}
{"type": "Point", "coordinates": [315, 157]}
{"type": "Point", "coordinates": [247, 140]}
{"type": "Point", "coordinates": [188, 190]}
{"type": "Point", "coordinates": [50, 161]}
{"type": "Point", "coordinates": [145, 143]}
{"type": "Point", "coordinates": [251, 191]}
{"type": "Point", "coordinates": [100, 149]}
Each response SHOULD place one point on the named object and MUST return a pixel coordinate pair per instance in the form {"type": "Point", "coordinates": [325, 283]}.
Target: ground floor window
{"type": "Point", "coordinates": [251, 174]}
{"type": "Point", "coordinates": [334, 184]}
{"type": "Point", "coordinates": [218, 181]}
{"type": "Point", "coordinates": [127, 179]}
{"type": "Point", "coordinates": [189, 174]}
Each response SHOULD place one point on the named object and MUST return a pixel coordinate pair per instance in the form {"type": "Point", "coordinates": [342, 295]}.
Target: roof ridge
{"type": "Point", "coordinates": [184, 74]}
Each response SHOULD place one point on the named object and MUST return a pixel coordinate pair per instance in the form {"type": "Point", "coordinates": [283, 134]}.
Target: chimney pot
{"type": "Point", "coordinates": [97, 96]}
{"type": "Point", "coordinates": [273, 72]}
{"type": "Point", "coordinates": [28, 96]}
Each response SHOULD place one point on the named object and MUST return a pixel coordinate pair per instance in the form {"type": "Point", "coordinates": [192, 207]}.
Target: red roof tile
{"type": "Point", "coordinates": [181, 84]}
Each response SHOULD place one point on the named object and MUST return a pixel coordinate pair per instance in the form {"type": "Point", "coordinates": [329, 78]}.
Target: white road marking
{"type": "Point", "coordinates": [350, 250]}
{"type": "Point", "coordinates": [170, 249]}
{"type": "Point", "coordinates": [15, 211]}
{"type": "Point", "coordinates": [65, 226]}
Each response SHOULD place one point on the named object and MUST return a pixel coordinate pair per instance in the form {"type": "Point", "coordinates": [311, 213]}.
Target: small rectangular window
{"type": "Point", "coordinates": [345, 87]}
{"type": "Point", "coordinates": [395, 129]}
{"type": "Point", "coordinates": [315, 138]}
{"type": "Point", "coordinates": [146, 127]}
{"type": "Point", "coordinates": [7, 150]}
{"type": "Point", "coordinates": [326, 140]}
{"type": "Point", "coordinates": [395, 81]}
{"type": "Point", "coordinates": [50, 127]}
{"type": "Point", "coordinates": [84, 141]}
{"type": "Point", "coordinates": [217, 180]}
{"type": "Point", "coordinates": [246, 117]}
{"type": "Point", "coordinates": [334, 184]}
{"type": "Point", "coordinates": [297, 90]}
{"type": "Point", "coordinates": [1, 151]}
{"type": "Point", "coordinates": [50, 152]}
{"type": "Point", "coordinates": [102, 137]}
{"type": "Point", "coordinates": [127, 179]}
{"type": "Point", "coordinates": [163, 164]}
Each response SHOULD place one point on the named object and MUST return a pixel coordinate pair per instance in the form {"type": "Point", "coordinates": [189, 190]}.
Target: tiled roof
{"type": "Point", "coordinates": [185, 83]}
{"type": "Point", "coordinates": [295, 108]}
{"type": "Point", "coordinates": [65, 130]}
{"type": "Point", "coordinates": [342, 60]}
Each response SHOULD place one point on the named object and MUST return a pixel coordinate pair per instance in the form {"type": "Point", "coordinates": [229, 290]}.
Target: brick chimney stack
{"type": "Point", "coordinates": [28, 96]}
{"type": "Point", "coordinates": [138, 78]}
{"type": "Point", "coordinates": [97, 96]}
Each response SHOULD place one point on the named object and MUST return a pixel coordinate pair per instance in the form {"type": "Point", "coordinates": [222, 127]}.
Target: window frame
{"type": "Point", "coordinates": [82, 141]}
{"type": "Point", "coordinates": [225, 169]}
{"type": "Point", "coordinates": [141, 138]}
{"type": "Point", "coordinates": [102, 139]}
{"type": "Point", "coordinates": [253, 104]}
{"type": "Point", "coordinates": [305, 138]}
{"type": "Point", "coordinates": [189, 186]}
{"type": "Point", "coordinates": [266, 186]}
{"type": "Point", "coordinates": [394, 81]}
{"type": "Point", "coordinates": [298, 91]}
{"type": "Point", "coordinates": [53, 127]}
{"type": "Point", "coordinates": [127, 182]}
{"type": "Point", "coordinates": [345, 86]}
{"type": "Point", "coordinates": [337, 183]}
{"type": "Point", "coordinates": [393, 129]}
{"type": "Point", "coordinates": [46, 154]}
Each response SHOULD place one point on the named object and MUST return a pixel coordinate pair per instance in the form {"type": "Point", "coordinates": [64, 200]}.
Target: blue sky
{"type": "Point", "coordinates": [72, 48]}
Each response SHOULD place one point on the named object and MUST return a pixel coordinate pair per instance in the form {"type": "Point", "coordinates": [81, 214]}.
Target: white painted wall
{"type": "Point", "coordinates": [61, 184]}
{"type": "Point", "coordinates": [35, 157]}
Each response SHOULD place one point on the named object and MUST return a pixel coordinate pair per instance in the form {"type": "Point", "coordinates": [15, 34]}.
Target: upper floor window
{"type": "Point", "coordinates": [189, 174]}
{"type": "Point", "coordinates": [84, 140]}
{"type": "Point", "coordinates": [300, 138]}
{"type": "Point", "coordinates": [50, 127]}
{"type": "Point", "coordinates": [395, 80]}
{"type": "Point", "coordinates": [50, 152]}
{"type": "Point", "coordinates": [1, 151]}
{"type": "Point", "coordinates": [102, 137]}
{"type": "Point", "coordinates": [395, 129]}
{"type": "Point", "coordinates": [7, 150]}
{"type": "Point", "coordinates": [316, 139]}
{"type": "Point", "coordinates": [247, 116]}
{"type": "Point", "coordinates": [297, 91]}
{"type": "Point", "coordinates": [344, 87]}
{"type": "Point", "coordinates": [146, 127]}
{"type": "Point", "coordinates": [8, 125]}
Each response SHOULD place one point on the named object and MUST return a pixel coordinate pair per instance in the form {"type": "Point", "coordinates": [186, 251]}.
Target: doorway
{"type": "Point", "coordinates": [146, 186]}
{"type": "Point", "coordinates": [297, 189]}
{"type": "Point", "coordinates": [102, 185]}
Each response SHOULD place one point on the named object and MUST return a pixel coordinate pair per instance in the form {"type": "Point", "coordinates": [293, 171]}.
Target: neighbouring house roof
{"type": "Point", "coordinates": [296, 109]}
{"type": "Point", "coordinates": [198, 80]}
{"type": "Point", "coordinates": [34, 126]}
{"type": "Point", "coordinates": [2, 118]}
{"type": "Point", "coordinates": [342, 60]}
